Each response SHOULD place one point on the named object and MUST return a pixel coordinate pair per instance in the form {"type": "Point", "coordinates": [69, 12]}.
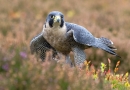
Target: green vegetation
{"type": "Point", "coordinates": [21, 20]}
{"type": "Point", "coordinates": [23, 74]}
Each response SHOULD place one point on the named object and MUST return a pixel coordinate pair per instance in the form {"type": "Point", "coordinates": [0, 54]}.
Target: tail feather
{"type": "Point", "coordinates": [106, 45]}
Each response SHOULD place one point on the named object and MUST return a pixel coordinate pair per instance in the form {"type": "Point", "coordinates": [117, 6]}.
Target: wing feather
{"type": "Point", "coordinates": [39, 46]}
{"type": "Point", "coordinates": [80, 34]}
{"type": "Point", "coordinates": [83, 36]}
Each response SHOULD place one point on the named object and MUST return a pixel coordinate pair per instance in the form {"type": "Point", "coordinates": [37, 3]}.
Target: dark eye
{"type": "Point", "coordinates": [52, 16]}
{"type": "Point", "coordinates": [62, 16]}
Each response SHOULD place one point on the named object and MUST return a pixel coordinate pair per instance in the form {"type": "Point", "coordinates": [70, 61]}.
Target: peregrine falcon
{"type": "Point", "coordinates": [64, 37]}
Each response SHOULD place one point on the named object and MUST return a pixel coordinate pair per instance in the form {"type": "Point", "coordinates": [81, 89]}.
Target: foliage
{"type": "Point", "coordinates": [22, 73]}
{"type": "Point", "coordinates": [21, 20]}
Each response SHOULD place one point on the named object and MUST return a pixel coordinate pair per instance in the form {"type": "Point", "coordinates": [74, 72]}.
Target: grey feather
{"type": "Point", "coordinates": [39, 46]}
{"type": "Point", "coordinates": [105, 44]}
{"type": "Point", "coordinates": [79, 55]}
{"type": "Point", "coordinates": [80, 34]}
{"type": "Point", "coordinates": [83, 36]}
{"type": "Point", "coordinates": [69, 61]}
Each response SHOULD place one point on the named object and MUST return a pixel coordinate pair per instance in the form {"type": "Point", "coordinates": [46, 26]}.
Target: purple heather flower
{"type": "Point", "coordinates": [5, 59]}
{"type": "Point", "coordinates": [23, 54]}
{"type": "Point", "coordinates": [5, 67]}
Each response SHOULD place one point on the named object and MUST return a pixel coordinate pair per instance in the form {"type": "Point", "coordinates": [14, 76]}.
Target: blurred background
{"type": "Point", "coordinates": [21, 20]}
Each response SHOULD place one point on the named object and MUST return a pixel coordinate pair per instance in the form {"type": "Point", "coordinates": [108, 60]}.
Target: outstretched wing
{"type": "Point", "coordinates": [83, 36]}
{"type": "Point", "coordinates": [80, 34]}
{"type": "Point", "coordinates": [39, 46]}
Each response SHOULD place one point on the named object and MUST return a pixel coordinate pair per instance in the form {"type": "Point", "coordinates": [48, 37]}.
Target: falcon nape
{"type": "Point", "coordinates": [63, 37]}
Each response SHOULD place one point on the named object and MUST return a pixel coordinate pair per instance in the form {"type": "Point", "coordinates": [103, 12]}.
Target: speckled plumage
{"type": "Point", "coordinates": [39, 45]}
{"type": "Point", "coordinates": [64, 37]}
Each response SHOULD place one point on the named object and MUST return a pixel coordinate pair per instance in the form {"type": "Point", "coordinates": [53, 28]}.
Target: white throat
{"type": "Point", "coordinates": [55, 30]}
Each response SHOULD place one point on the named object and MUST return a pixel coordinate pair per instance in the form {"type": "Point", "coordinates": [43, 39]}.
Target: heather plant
{"type": "Point", "coordinates": [20, 20]}
{"type": "Point", "coordinates": [20, 74]}
{"type": "Point", "coordinates": [116, 81]}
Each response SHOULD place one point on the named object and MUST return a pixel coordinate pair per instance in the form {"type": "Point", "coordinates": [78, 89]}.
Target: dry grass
{"type": "Point", "coordinates": [21, 20]}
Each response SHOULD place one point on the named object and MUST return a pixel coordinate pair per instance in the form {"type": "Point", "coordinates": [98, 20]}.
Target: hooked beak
{"type": "Point", "coordinates": [57, 19]}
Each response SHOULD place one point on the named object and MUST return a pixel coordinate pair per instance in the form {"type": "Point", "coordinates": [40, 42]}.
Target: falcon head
{"type": "Point", "coordinates": [55, 19]}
